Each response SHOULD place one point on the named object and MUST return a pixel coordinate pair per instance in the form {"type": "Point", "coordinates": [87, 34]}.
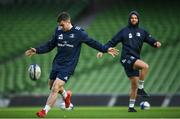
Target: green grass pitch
{"type": "Point", "coordinates": [92, 112]}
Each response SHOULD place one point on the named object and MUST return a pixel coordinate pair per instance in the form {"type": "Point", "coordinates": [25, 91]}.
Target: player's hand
{"type": "Point", "coordinates": [30, 52]}
{"type": "Point", "coordinates": [99, 54]}
{"type": "Point", "coordinates": [157, 44]}
{"type": "Point", "coordinates": [113, 51]}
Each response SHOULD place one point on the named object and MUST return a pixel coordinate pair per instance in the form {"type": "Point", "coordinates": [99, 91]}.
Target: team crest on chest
{"type": "Point", "coordinates": [71, 35]}
{"type": "Point", "coordinates": [138, 34]}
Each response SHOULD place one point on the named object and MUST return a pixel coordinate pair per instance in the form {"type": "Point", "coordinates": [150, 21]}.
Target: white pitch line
{"type": "Point", "coordinates": [166, 101]}
{"type": "Point", "coordinates": [112, 101]}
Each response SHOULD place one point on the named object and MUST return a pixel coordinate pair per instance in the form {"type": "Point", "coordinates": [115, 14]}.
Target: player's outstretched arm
{"type": "Point", "coordinates": [157, 44]}
{"type": "Point", "coordinates": [30, 52]}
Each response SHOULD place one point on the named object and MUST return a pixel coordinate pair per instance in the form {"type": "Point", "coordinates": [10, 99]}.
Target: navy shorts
{"type": "Point", "coordinates": [61, 75]}
{"type": "Point", "coordinates": [127, 63]}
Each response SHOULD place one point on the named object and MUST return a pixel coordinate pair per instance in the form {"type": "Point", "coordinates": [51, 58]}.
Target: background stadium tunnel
{"type": "Point", "coordinates": [29, 23]}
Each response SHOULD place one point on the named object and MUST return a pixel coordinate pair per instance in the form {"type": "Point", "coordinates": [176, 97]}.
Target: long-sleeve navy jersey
{"type": "Point", "coordinates": [68, 48]}
{"type": "Point", "coordinates": [132, 41]}
{"type": "Point", "coordinates": [132, 38]}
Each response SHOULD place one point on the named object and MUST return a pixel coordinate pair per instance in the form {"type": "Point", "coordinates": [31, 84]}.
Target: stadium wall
{"type": "Point", "coordinates": [97, 100]}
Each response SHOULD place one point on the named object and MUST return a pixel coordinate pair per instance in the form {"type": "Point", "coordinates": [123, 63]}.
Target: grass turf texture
{"type": "Point", "coordinates": [92, 112]}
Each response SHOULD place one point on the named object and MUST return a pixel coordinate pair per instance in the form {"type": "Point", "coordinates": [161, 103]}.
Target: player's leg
{"type": "Point", "coordinates": [66, 95]}
{"type": "Point", "coordinates": [133, 75]}
{"type": "Point", "coordinates": [63, 93]}
{"type": "Point", "coordinates": [61, 76]}
{"type": "Point", "coordinates": [56, 87]}
{"type": "Point", "coordinates": [139, 64]}
{"type": "Point", "coordinates": [133, 93]}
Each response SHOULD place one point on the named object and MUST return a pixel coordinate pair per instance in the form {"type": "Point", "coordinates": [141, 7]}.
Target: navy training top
{"type": "Point", "coordinates": [68, 45]}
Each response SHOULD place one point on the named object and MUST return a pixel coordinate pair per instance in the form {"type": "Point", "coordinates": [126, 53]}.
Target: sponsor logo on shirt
{"type": "Point", "coordinates": [65, 44]}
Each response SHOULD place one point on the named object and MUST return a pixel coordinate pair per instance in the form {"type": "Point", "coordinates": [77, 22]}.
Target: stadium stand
{"type": "Point", "coordinates": [107, 75]}
{"type": "Point", "coordinates": [25, 25]}
{"type": "Point", "coordinates": [92, 76]}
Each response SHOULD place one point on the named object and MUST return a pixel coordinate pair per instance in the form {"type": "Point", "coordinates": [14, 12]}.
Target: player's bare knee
{"type": "Point", "coordinates": [61, 90]}
{"type": "Point", "coordinates": [134, 86]}
{"type": "Point", "coordinates": [55, 89]}
{"type": "Point", "coordinates": [146, 67]}
{"type": "Point", "coordinates": [57, 85]}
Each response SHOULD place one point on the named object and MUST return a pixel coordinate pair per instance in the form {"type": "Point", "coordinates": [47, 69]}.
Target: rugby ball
{"type": "Point", "coordinates": [144, 105]}
{"type": "Point", "coordinates": [34, 72]}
